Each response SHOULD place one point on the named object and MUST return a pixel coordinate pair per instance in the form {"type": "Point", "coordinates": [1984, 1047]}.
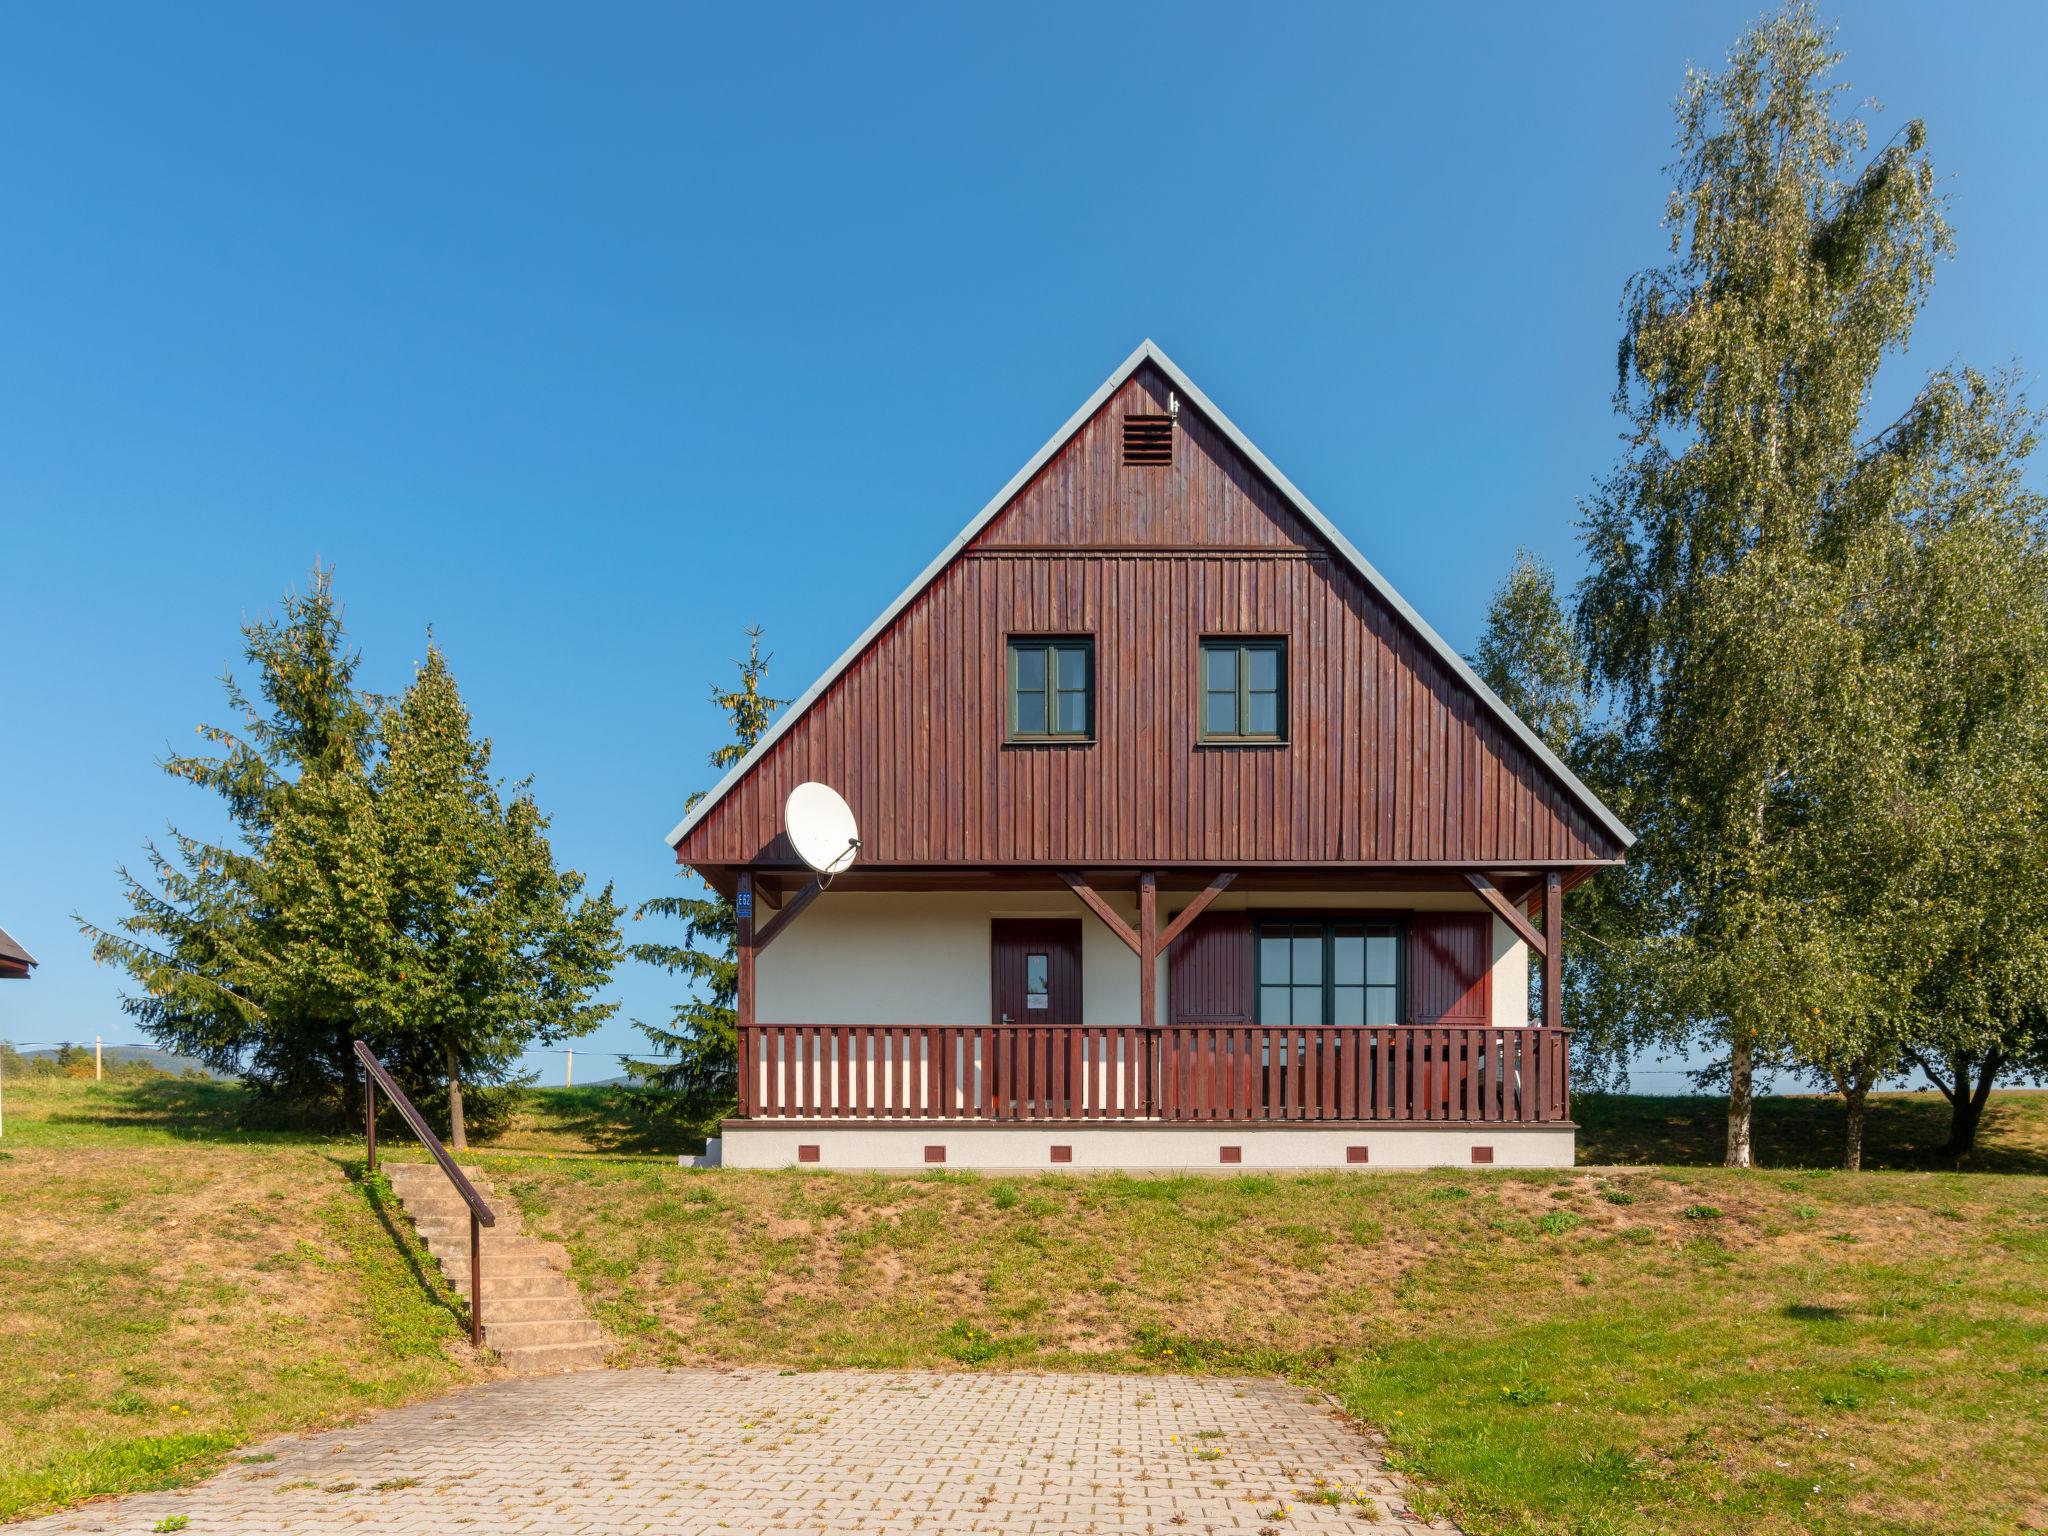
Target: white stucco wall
{"type": "Point", "coordinates": [866, 957]}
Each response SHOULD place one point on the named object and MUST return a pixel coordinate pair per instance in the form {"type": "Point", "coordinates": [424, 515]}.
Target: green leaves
{"type": "Point", "coordinates": [701, 1038]}
{"type": "Point", "coordinates": [1820, 645]}
{"type": "Point", "coordinates": [380, 884]}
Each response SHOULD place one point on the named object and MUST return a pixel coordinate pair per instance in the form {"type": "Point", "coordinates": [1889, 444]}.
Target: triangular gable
{"type": "Point", "coordinates": [1323, 528]}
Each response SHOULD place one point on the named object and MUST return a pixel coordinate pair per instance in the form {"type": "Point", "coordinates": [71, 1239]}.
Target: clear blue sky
{"type": "Point", "coordinates": [590, 334]}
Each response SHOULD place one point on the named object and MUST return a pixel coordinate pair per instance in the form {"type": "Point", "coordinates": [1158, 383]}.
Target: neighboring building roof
{"type": "Point", "coordinates": [14, 960]}
{"type": "Point", "coordinates": [1147, 352]}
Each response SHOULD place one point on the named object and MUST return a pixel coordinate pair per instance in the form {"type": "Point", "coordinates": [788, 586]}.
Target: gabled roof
{"type": "Point", "coordinates": [12, 955]}
{"type": "Point", "coordinates": [1147, 352]}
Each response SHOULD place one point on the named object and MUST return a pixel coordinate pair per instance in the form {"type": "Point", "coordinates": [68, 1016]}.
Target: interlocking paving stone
{"type": "Point", "coordinates": [840, 1453]}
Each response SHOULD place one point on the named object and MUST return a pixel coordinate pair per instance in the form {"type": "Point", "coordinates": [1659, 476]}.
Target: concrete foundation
{"type": "Point", "coordinates": [1071, 1146]}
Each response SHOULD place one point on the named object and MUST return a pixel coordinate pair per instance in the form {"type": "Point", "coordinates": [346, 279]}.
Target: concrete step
{"type": "Point", "coordinates": [455, 1214]}
{"type": "Point", "coordinates": [510, 1335]}
{"type": "Point", "coordinates": [500, 1287]}
{"type": "Point", "coordinates": [533, 1315]}
{"type": "Point", "coordinates": [558, 1305]}
{"type": "Point", "coordinates": [553, 1357]}
{"type": "Point", "coordinates": [543, 1275]}
{"type": "Point", "coordinates": [493, 1239]}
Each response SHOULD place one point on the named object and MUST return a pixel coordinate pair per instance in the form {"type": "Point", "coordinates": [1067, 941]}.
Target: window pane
{"type": "Point", "coordinates": [1221, 661]}
{"type": "Point", "coordinates": [1308, 1005]}
{"type": "Point", "coordinates": [1222, 719]}
{"type": "Point", "coordinates": [1272, 1005]}
{"type": "Point", "coordinates": [1030, 666]}
{"type": "Point", "coordinates": [1034, 974]}
{"type": "Point", "coordinates": [1347, 1005]}
{"type": "Point", "coordinates": [1381, 958]}
{"type": "Point", "coordinates": [1265, 712]}
{"type": "Point", "coordinates": [1273, 958]}
{"type": "Point", "coordinates": [1347, 959]}
{"type": "Point", "coordinates": [1379, 1006]}
{"type": "Point", "coordinates": [1073, 713]}
{"type": "Point", "coordinates": [1308, 957]}
{"type": "Point", "coordinates": [1031, 714]}
{"type": "Point", "coordinates": [1073, 665]}
{"type": "Point", "coordinates": [1265, 668]}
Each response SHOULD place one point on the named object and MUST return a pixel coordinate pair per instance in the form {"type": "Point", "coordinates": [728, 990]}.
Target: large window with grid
{"type": "Point", "coordinates": [1336, 971]}
{"type": "Point", "coordinates": [1244, 689]}
{"type": "Point", "coordinates": [1052, 688]}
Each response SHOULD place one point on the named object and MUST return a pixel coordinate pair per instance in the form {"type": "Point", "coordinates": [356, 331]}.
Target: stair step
{"type": "Point", "coordinates": [533, 1315]}
{"type": "Point", "coordinates": [556, 1306]}
{"type": "Point", "coordinates": [554, 1357]}
{"type": "Point", "coordinates": [515, 1335]}
{"type": "Point", "coordinates": [502, 1286]}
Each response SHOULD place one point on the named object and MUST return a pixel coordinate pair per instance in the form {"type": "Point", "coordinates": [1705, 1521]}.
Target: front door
{"type": "Point", "coordinates": [1036, 970]}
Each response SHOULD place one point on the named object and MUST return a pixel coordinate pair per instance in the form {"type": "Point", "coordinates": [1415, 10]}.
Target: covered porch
{"type": "Point", "coordinates": [866, 1053]}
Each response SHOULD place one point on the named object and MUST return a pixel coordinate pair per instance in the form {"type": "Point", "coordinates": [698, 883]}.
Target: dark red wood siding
{"type": "Point", "coordinates": [1450, 968]}
{"type": "Point", "coordinates": [1391, 758]}
{"type": "Point", "coordinates": [1209, 971]}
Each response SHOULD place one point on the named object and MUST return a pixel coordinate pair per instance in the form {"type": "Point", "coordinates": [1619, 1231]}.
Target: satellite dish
{"type": "Point", "coordinates": [821, 828]}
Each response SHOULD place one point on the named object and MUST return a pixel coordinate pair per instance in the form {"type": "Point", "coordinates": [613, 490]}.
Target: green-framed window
{"type": "Point", "coordinates": [1052, 688]}
{"type": "Point", "coordinates": [1333, 971]}
{"type": "Point", "coordinates": [1244, 689]}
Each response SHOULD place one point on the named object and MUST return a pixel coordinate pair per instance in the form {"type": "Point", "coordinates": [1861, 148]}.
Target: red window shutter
{"type": "Point", "coordinates": [1209, 971]}
{"type": "Point", "coordinates": [1450, 968]}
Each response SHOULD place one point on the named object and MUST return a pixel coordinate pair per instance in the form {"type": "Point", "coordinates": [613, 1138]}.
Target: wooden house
{"type": "Point", "coordinates": [1185, 843]}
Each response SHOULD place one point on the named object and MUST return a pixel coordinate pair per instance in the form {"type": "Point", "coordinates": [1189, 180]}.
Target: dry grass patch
{"type": "Point", "coordinates": [169, 1299]}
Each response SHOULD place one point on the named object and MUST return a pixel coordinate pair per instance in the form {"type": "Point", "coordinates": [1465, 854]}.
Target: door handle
{"type": "Point", "coordinates": [1006, 1018]}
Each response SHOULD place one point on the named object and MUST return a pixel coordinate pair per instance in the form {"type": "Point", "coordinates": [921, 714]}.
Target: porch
{"type": "Point", "coordinates": [1194, 1073]}
{"type": "Point", "coordinates": [1285, 1024]}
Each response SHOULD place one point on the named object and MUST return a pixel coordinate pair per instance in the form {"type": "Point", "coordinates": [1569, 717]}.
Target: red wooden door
{"type": "Point", "coordinates": [1036, 970]}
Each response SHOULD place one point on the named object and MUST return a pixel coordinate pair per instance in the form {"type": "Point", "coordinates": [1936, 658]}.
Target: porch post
{"type": "Point", "coordinates": [743, 1003]}
{"type": "Point", "coordinates": [1148, 983]}
{"type": "Point", "coordinates": [1553, 950]}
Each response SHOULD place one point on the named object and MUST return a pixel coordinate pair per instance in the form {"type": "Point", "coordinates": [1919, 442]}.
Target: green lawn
{"type": "Point", "coordinates": [1651, 1349]}
{"type": "Point", "coordinates": [173, 1286]}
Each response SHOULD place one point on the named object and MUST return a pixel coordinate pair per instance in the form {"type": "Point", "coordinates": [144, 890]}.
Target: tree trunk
{"type": "Point", "coordinates": [456, 1140]}
{"type": "Point", "coordinates": [1741, 1098]}
{"type": "Point", "coordinates": [1857, 1095]}
{"type": "Point", "coordinates": [1966, 1112]}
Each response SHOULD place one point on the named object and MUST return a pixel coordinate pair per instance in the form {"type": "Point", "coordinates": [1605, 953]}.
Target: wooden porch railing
{"type": "Point", "coordinates": [1179, 1072]}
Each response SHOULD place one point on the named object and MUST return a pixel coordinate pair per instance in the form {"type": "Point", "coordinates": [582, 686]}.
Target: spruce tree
{"type": "Point", "coordinates": [698, 1076]}
{"type": "Point", "coordinates": [488, 948]}
{"type": "Point", "coordinates": [206, 937]}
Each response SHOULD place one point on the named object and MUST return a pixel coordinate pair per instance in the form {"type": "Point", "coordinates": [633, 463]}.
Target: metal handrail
{"type": "Point", "coordinates": [480, 1214]}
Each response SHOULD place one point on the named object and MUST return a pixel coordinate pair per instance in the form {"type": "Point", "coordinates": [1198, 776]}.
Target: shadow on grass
{"type": "Point", "coordinates": [405, 1239]}
{"type": "Point", "coordinates": [603, 1117]}
{"type": "Point", "coordinates": [1901, 1131]}
{"type": "Point", "coordinates": [189, 1109]}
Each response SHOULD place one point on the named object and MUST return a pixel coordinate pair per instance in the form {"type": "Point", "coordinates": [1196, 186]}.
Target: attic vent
{"type": "Point", "coordinates": [1148, 439]}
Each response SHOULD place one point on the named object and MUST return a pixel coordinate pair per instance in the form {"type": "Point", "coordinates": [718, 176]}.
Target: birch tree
{"type": "Point", "coordinates": [1798, 263]}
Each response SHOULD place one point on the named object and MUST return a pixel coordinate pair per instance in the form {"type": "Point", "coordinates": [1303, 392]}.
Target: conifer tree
{"type": "Point", "coordinates": [488, 947]}
{"type": "Point", "coordinates": [700, 1041]}
{"type": "Point", "coordinates": [205, 936]}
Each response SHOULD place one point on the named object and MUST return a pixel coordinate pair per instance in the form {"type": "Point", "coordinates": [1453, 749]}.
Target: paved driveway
{"type": "Point", "coordinates": [835, 1452]}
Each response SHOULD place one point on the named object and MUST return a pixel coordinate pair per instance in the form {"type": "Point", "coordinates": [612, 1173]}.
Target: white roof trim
{"type": "Point", "coordinates": [1147, 352]}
